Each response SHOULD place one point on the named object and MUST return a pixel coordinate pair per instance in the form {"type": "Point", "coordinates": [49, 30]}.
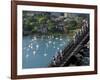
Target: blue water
{"type": "Point", "coordinates": [38, 51]}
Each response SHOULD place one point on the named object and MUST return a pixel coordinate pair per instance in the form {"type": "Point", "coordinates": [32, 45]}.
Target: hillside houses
{"type": "Point", "coordinates": [44, 22]}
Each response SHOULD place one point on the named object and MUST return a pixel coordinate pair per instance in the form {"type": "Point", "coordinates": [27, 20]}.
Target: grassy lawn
{"type": "Point", "coordinates": [72, 32]}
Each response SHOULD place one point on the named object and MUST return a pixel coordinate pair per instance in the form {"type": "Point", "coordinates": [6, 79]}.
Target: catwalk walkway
{"type": "Point", "coordinates": [74, 46]}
